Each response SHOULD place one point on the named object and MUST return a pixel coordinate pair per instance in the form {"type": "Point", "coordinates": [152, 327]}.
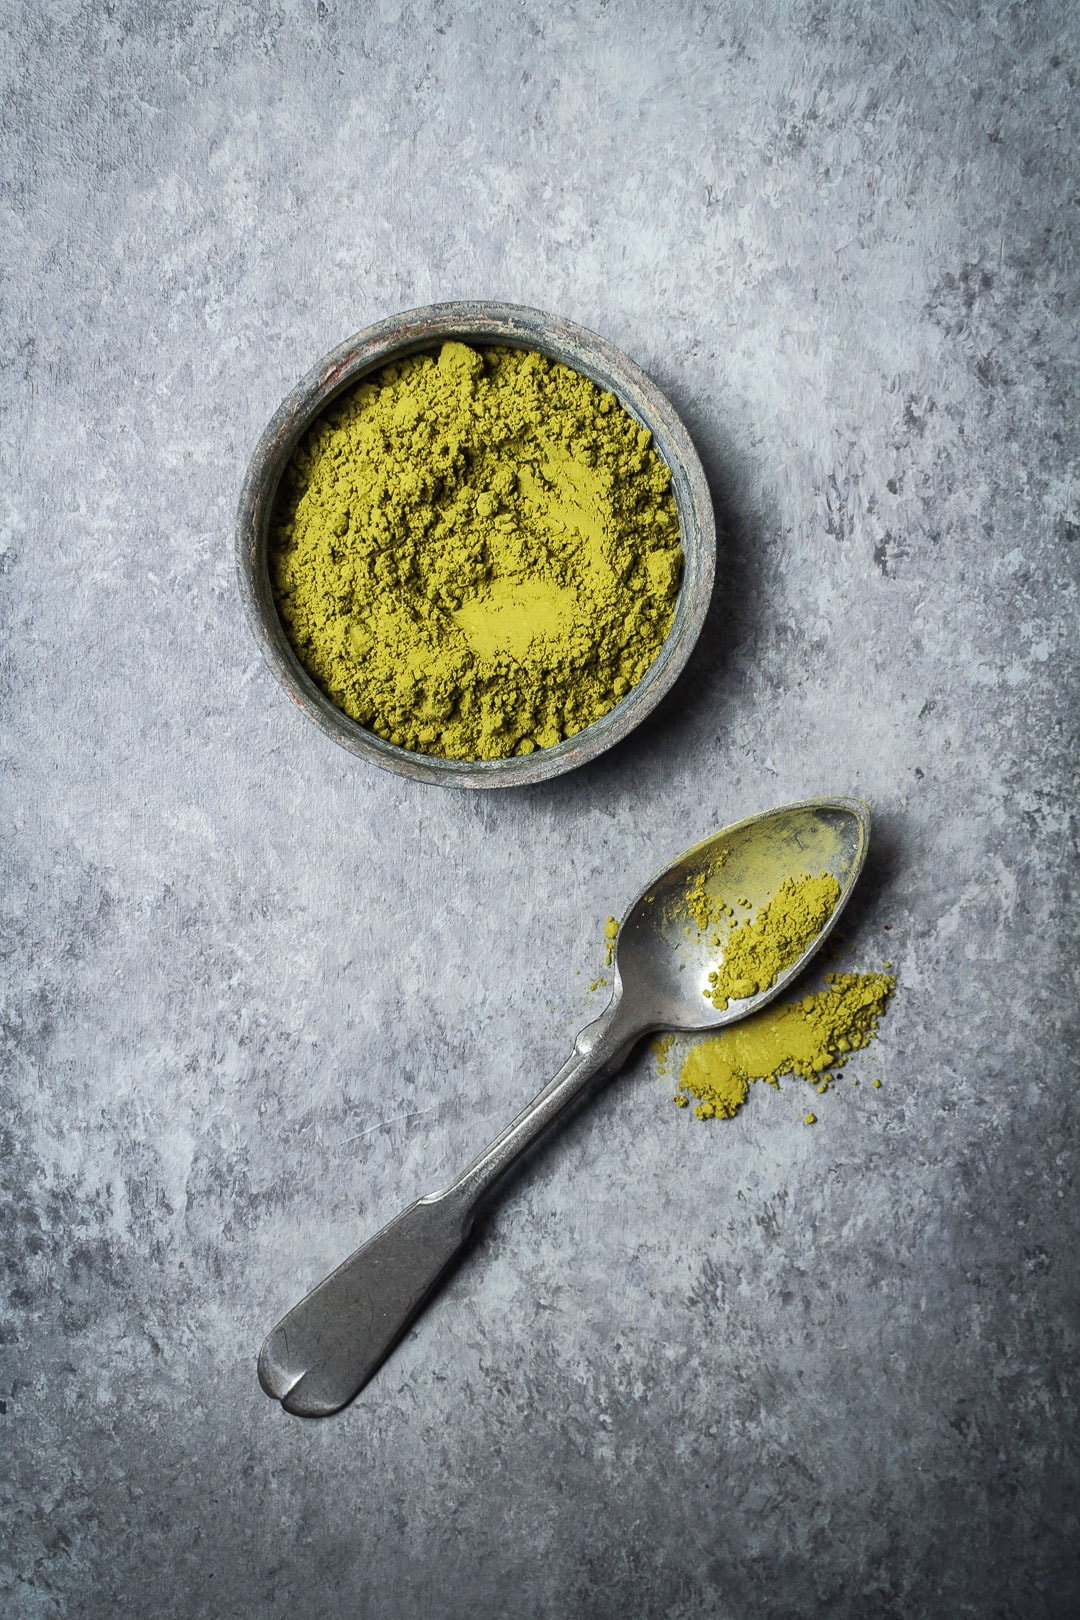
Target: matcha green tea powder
{"type": "Point", "coordinates": [476, 554]}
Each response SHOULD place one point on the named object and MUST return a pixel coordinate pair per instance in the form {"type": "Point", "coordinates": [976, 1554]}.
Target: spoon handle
{"type": "Point", "coordinates": [324, 1351]}
{"type": "Point", "coordinates": [327, 1347]}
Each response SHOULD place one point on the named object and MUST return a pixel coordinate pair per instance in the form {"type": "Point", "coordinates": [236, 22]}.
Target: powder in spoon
{"type": "Point", "coordinates": [476, 553]}
{"type": "Point", "coordinates": [758, 950]}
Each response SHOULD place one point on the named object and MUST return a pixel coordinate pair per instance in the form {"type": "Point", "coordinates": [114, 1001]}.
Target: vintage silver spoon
{"type": "Point", "coordinates": [327, 1347]}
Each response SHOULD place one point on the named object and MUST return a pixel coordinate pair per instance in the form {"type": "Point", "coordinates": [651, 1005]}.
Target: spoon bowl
{"type": "Point", "coordinates": [662, 961]}
{"type": "Point", "coordinates": [326, 1348]}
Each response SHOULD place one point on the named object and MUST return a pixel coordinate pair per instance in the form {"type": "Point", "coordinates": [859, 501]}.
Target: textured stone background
{"type": "Point", "coordinates": [259, 994]}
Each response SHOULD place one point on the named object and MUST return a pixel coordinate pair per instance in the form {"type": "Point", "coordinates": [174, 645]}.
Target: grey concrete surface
{"type": "Point", "coordinates": [257, 994]}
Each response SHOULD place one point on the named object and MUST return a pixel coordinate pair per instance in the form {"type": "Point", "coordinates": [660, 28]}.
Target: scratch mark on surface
{"type": "Point", "coordinates": [397, 1118]}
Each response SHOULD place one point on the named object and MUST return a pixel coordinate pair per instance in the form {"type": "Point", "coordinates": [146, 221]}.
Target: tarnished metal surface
{"type": "Point", "coordinates": [410, 333]}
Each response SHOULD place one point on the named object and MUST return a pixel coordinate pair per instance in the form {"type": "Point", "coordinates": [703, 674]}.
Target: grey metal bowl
{"type": "Point", "coordinates": [478, 323]}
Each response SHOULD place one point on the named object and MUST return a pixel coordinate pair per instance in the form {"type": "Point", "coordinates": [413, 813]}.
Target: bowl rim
{"type": "Point", "coordinates": [518, 326]}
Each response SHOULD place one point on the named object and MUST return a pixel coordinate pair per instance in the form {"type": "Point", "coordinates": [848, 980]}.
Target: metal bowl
{"type": "Point", "coordinates": [477, 323]}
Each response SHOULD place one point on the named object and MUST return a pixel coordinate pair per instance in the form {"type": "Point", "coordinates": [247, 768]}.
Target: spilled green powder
{"type": "Point", "coordinates": [809, 1038]}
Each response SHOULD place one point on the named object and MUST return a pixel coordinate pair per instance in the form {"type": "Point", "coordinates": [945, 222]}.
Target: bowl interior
{"type": "Point", "coordinates": [489, 325]}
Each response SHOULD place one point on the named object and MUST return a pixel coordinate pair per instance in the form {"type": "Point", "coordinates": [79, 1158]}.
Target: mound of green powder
{"type": "Point", "coordinates": [476, 553]}
{"type": "Point", "coordinates": [811, 1038]}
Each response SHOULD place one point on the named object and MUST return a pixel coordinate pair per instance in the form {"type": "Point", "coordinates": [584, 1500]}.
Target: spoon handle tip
{"type": "Point", "coordinates": [329, 1345]}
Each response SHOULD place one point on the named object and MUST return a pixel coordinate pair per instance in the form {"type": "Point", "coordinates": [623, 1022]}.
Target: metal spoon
{"type": "Point", "coordinates": [324, 1351]}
